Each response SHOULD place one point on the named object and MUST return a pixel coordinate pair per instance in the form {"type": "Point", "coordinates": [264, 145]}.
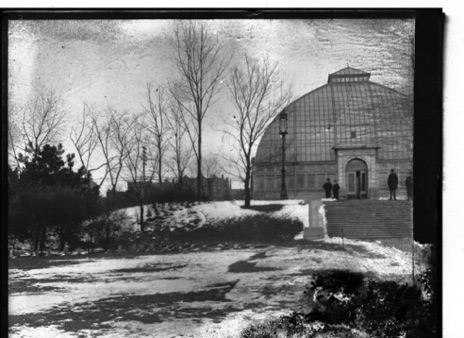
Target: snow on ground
{"type": "Point", "coordinates": [45, 332]}
{"type": "Point", "coordinates": [195, 294]}
{"type": "Point", "coordinates": [104, 280]}
{"type": "Point", "coordinates": [211, 211]}
{"type": "Point", "coordinates": [400, 197]}
{"type": "Point", "coordinates": [274, 288]}
{"type": "Point", "coordinates": [226, 209]}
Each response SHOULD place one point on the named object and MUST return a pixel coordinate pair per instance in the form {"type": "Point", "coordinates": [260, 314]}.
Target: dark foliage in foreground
{"type": "Point", "coordinates": [342, 300]}
{"type": "Point", "coordinates": [47, 196]}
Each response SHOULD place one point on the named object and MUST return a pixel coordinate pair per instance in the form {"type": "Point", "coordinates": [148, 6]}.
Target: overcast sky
{"type": "Point", "coordinates": [108, 63]}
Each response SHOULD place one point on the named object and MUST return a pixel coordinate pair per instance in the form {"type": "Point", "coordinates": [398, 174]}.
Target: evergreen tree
{"type": "Point", "coordinates": [46, 194]}
{"type": "Point", "coordinates": [46, 166]}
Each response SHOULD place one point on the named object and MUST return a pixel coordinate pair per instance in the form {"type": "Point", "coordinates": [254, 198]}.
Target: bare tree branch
{"type": "Point", "coordinates": [155, 108]}
{"type": "Point", "coordinates": [83, 136]}
{"type": "Point", "coordinates": [181, 153]}
{"type": "Point", "coordinates": [14, 134]}
{"type": "Point", "coordinates": [42, 120]}
{"type": "Point", "coordinates": [201, 66]}
{"type": "Point", "coordinates": [39, 121]}
{"type": "Point", "coordinates": [107, 127]}
{"type": "Point", "coordinates": [259, 96]}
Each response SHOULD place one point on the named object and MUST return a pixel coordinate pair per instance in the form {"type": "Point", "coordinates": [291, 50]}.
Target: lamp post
{"type": "Point", "coordinates": [283, 127]}
{"type": "Point", "coordinates": [142, 192]}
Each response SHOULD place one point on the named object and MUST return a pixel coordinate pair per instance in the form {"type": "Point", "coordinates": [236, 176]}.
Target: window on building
{"type": "Point", "coordinates": [311, 179]}
{"type": "Point", "coordinates": [270, 183]}
{"type": "Point", "coordinates": [300, 181]}
{"type": "Point", "coordinates": [353, 134]}
{"type": "Point", "coordinates": [320, 180]}
{"type": "Point", "coordinates": [290, 180]}
{"type": "Point", "coordinates": [259, 182]}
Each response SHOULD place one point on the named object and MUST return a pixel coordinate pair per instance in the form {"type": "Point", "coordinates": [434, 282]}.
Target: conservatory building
{"type": "Point", "coordinates": [351, 130]}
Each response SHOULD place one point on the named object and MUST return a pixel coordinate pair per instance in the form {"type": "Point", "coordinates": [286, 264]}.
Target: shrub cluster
{"type": "Point", "coordinates": [344, 300]}
{"type": "Point", "coordinates": [249, 228]}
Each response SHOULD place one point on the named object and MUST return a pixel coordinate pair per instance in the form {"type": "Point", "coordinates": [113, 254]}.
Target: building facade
{"type": "Point", "coordinates": [351, 130]}
{"type": "Point", "coordinates": [214, 188]}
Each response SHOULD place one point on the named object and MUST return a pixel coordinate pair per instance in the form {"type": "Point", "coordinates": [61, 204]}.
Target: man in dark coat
{"type": "Point", "coordinates": [392, 184]}
{"type": "Point", "coordinates": [336, 189]}
{"type": "Point", "coordinates": [328, 188]}
{"type": "Point", "coordinates": [408, 184]}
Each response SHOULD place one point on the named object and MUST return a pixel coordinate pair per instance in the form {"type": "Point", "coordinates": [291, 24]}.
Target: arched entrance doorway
{"type": "Point", "coordinates": [356, 179]}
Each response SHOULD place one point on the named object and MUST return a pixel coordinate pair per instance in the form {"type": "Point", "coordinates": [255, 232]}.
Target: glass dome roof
{"type": "Point", "coordinates": [349, 111]}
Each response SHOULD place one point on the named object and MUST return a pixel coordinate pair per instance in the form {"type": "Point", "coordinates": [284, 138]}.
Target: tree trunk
{"type": "Point", "coordinates": [113, 199]}
{"type": "Point", "coordinates": [199, 178]}
{"type": "Point", "coordinates": [247, 184]}
{"type": "Point", "coordinates": [159, 164]}
{"type": "Point", "coordinates": [107, 235]}
{"type": "Point", "coordinates": [247, 190]}
{"type": "Point", "coordinates": [141, 215]}
{"type": "Point", "coordinates": [180, 181]}
{"type": "Point", "coordinates": [43, 238]}
{"type": "Point", "coordinates": [62, 239]}
{"type": "Point", "coordinates": [36, 241]}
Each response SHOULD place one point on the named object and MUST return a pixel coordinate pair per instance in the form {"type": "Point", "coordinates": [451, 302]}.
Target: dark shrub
{"type": "Point", "coordinates": [345, 299]}
{"type": "Point", "coordinates": [339, 281]}
{"type": "Point", "coordinates": [265, 208]}
{"type": "Point", "coordinates": [106, 228]}
{"type": "Point", "coordinates": [261, 228]}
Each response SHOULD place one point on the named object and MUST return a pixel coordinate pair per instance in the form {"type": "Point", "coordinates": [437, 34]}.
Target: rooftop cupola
{"type": "Point", "coordinates": [349, 74]}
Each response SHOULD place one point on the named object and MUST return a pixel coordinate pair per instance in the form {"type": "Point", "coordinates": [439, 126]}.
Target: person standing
{"type": "Point", "coordinates": [392, 184]}
{"type": "Point", "coordinates": [327, 188]}
{"type": "Point", "coordinates": [336, 189]}
{"type": "Point", "coordinates": [409, 184]}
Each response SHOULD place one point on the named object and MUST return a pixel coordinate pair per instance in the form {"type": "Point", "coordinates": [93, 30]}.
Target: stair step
{"type": "Point", "coordinates": [367, 219]}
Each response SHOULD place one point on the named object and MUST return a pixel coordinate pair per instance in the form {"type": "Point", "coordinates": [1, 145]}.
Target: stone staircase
{"type": "Point", "coordinates": [369, 219]}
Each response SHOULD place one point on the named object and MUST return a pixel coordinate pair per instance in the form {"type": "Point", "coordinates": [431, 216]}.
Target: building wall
{"type": "Point", "coordinates": [214, 188]}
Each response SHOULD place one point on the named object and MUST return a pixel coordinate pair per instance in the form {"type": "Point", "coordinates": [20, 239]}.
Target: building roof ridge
{"type": "Point", "coordinates": [350, 71]}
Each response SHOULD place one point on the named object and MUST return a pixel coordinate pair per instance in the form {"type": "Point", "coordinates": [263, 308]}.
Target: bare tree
{"type": "Point", "coordinates": [157, 124]}
{"type": "Point", "coordinates": [84, 137]}
{"type": "Point", "coordinates": [200, 65]}
{"type": "Point", "coordinates": [43, 119]}
{"type": "Point", "coordinates": [181, 154]}
{"type": "Point", "coordinates": [109, 131]}
{"type": "Point", "coordinates": [39, 121]}
{"type": "Point", "coordinates": [259, 96]}
{"type": "Point", "coordinates": [14, 135]}
{"type": "Point", "coordinates": [130, 137]}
